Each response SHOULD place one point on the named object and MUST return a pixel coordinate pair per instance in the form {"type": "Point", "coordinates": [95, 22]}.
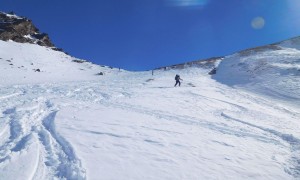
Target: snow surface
{"type": "Point", "coordinates": [18, 63]}
{"type": "Point", "coordinates": [269, 72]}
{"type": "Point", "coordinates": [66, 122]}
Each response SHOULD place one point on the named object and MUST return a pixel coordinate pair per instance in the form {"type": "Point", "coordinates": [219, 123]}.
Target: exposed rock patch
{"type": "Point", "coordinates": [20, 29]}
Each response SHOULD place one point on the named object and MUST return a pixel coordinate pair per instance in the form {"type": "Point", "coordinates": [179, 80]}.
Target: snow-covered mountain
{"type": "Point", "coordinates": [210, 64]}
{"type": "Point", "coordinates": [28, 56]}
{"type": "Point", "coordinates": [29, 63]}
{"type": "Point", "coordinates": [61, 119]}
{"type": "Point", "coordinates": [272, 70]}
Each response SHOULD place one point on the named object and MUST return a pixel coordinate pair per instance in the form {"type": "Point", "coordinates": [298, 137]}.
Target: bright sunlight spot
{"type": "Point", "coordinates": [186, 3]}
{"type": "Point", "coordinates": [258, 23]}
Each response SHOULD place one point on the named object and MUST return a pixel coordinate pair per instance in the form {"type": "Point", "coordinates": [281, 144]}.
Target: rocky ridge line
{"type": "Point", "coordinates": [22, 30]}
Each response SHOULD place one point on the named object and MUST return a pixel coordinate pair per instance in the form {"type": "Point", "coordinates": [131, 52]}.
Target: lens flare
{"type": "Point", "coordinates": [258, 23]}
{"type": "Point", "coordinates": [187, 3]}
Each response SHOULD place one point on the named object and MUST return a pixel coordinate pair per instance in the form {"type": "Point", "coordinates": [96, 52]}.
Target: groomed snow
{"type": "Point", "coordinates": [68, 123]}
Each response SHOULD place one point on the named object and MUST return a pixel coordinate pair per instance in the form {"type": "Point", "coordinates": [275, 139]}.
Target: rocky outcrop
{"type": "Point", "coordinates": [259, 49]}
{"type": "Point", "coordinates": [205, 63]}
{"type": "Point", "coordinates": [20, 29]}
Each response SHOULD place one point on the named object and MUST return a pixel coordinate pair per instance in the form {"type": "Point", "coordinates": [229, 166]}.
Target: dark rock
{"type": "Point", "coordinates": [100, 73]}
{"type": "Point", "coordinates": [22, 30]}
{"type": "Point", "coordinates": [149, 80]}
{"type": "Point", "coordinates": [78, 61]}
{"type": "Point", "coordinates": [58, 49]}
{"type": "Point", "coordinates": [37, 70]}
{"type": "Point", "coordinates": [213, 71]}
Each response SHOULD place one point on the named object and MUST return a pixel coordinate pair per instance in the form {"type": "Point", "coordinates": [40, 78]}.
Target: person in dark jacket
{"type": "Point", "coordinates": [177, 79]}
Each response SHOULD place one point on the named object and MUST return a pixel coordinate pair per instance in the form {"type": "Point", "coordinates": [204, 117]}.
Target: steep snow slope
{"type": "Point", "coordinates": [67, 123]}
{"type": "Point", "coordinates": [19, 64]}
{"type": "Point", "coordinates": [145, 129]}
{"type": "Point", "coordinates": [271, 70]}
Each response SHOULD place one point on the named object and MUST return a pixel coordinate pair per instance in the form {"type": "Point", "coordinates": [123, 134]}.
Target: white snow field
{"type": "Point", "coordinates": [65, 122]}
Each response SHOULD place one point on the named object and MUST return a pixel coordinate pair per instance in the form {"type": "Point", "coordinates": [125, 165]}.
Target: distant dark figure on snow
{"type": "Point", "coordinates": [177, 79]}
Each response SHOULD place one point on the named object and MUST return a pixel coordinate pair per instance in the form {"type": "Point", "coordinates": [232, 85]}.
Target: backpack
{"type": "Point", "coordinates": [177, 77]}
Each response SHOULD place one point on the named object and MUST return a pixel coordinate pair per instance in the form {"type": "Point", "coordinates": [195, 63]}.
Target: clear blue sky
{"type": "Point", "coordinates": [145, 34]}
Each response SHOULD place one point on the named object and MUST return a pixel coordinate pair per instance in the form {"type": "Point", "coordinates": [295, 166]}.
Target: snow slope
{"type": "Point", "coordinates": [19, 62]}
{"type": "Point", "coordinates": [67, 123]}
{"type": "Point", "coordinates": [272, 70]}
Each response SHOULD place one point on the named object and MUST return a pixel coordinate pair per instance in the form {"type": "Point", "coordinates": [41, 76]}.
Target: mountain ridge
{"type": "Point", "coordinates": [213, 62]}
{"type": "Point", "coordinates": [22, 30]}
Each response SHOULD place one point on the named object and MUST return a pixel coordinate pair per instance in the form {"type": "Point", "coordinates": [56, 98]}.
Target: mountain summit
{"type": "Point", "coordinates": [21, 29]}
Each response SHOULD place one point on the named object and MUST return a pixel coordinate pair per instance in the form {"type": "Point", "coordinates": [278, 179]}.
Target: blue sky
{"type": "Point", "coordinates": [145, 34]}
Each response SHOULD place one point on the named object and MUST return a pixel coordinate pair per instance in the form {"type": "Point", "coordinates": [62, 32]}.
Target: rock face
{"type": "Point", "coordinates": [210, 64]}
{"type": "Point", "coordinates": [20, 29]}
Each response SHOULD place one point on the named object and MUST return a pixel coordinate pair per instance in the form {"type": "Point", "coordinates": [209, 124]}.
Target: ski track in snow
{"type": "Point", "coordinates": [247, 130]}
{"type": "Point", "coordinates": [33, 120]}
{"type": "Point", "coordinates": [289, 138]}
{"type": "Point", "coordinates": [201, 130]}
{"type": "Point", "coordinates": [28, 116]}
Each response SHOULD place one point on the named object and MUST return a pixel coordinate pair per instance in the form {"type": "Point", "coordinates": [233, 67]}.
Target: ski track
{"type": "Point", "coordinates": [294, 142]}
{"type": "Point", "coordinates": [35, 117]}
{"type": "Point", "coordinates": [222, 128]}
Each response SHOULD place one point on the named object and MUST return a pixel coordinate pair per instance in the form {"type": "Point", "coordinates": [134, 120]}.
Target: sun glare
{"type": "Point", "coordinates": [187, 3]}
{"type": "Point", "coordinates": [258, 23]}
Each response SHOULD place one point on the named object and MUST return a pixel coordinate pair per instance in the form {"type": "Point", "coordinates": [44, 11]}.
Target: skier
{"type": "Point", "coordinates": [177, 78]}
